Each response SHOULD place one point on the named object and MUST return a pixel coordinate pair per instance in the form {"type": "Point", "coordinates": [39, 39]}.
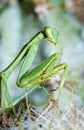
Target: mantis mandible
{"type": "Point", "coordinates": [36, 76]}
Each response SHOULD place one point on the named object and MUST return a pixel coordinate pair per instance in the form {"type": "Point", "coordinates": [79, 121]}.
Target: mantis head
{"type": "Point", "coordinates": [52, 34]}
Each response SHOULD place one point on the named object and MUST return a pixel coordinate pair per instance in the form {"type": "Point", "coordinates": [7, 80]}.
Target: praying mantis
{"type": "Point", "coordinates": [37, 76]}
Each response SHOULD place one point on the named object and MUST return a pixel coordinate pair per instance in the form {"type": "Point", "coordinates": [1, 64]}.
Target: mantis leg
{"type": "Point", "coordinates": [30, 90]}
{"type": "Point", "coordinates": [58, 68]}
{"type": "Point", "coordinates": [4, 92]}
{"type": "Point", "coordinates": [55, 70]}
{"type": "Point", "coordinates": [65, 68]}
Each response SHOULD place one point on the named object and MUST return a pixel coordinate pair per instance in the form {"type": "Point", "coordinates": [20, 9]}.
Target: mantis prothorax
{"type": "Point", "coordinates": [38, 75]}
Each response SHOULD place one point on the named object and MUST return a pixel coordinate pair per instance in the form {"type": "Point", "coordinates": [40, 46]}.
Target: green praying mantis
{"type": "Point", "coordinates": [37, 76]}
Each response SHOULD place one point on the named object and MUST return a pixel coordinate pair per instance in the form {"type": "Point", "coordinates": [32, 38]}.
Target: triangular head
{"type": "Point", "coordinates": [52, 34]}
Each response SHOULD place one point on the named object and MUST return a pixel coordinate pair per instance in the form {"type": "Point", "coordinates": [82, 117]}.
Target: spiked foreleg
{"type": "Point", "coordinates": [55, 70]}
